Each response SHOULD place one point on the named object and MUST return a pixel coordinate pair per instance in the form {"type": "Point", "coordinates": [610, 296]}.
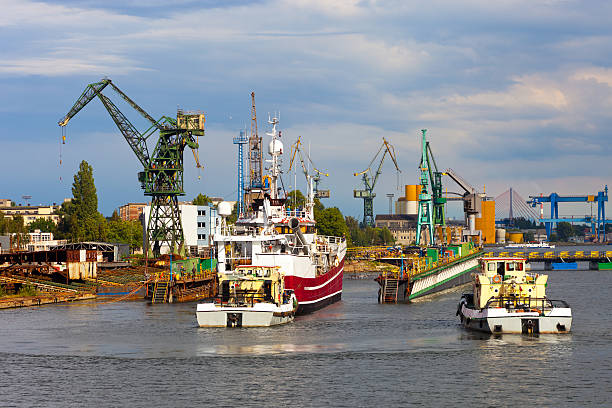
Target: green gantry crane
{"type": "Point", "coordinates": [431, 205]}
{"type": "Point", "coordinates": [162, 177]}
{"type": "Point", "coordinates": [369, 182]}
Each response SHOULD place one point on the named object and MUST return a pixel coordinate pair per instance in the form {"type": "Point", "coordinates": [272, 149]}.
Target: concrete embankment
{"type": "Point", "coordinates": [364, 269]}
{"type": "Point", "coordinates": [10, 302]}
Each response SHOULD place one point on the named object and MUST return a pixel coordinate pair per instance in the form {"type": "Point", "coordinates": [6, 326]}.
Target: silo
{"type": "Point", "coordinates": [401, 206]}
{"type": "Point", "coordinates": [500, 236]}
{"type": "Point", "coordinates": [516, 237]}
{"type": "Point", "coordinates": [412, 198]}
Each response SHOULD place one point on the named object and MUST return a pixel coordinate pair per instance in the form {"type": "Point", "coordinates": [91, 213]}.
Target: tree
{"type": "Point", "coordinates": [125, 232]}
{"type": "Point", "coordinates": [331, 222]}
{"type": "Point", "coordinates": [81, 220]}
{"type": "Point", "coordinates": [201, 199]}
{"type": "Point", "coordinates": [42, 224]}
{"type": "Point", "coordinates": [295, 199]}
{"type": "Point", "coordinates": [565, 231]}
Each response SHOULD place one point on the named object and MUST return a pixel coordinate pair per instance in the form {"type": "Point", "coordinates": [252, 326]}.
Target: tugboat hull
{"type": "Point", "coordinates": [261, 315]}
{"type": "Point", "coordinates": [558, 320]}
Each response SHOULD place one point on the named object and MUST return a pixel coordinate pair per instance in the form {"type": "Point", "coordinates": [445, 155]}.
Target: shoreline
{"type": "Point", "coordinates": [27, 301]}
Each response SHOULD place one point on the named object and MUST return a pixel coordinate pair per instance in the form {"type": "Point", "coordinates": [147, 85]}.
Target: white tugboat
{"type": "Point", "coordinates": [251, 296]}
{"type": "Point", "coordinates": [269, 233]}
{"type": "Point", "coordinates": [507, 299]}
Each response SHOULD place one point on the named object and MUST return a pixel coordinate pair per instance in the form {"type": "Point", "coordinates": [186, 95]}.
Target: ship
{"type": "Point", "coordinates": [270, 232]}
{"type": "Point", "coordinates": [426, 271]}
{"type": "Point", "coordinates": [253, 296]}
{"type": "Point", "coordinates": [508, 299]}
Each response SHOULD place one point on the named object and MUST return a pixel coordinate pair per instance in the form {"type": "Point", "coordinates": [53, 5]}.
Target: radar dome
{"type": "Point", "coordinates": [224, 208]}
{"type": "Point", "coordinates": [275, 147]}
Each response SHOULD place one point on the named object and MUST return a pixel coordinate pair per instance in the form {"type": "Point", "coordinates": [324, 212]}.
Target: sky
{"type": "Point", "coordinates": [513, 93]}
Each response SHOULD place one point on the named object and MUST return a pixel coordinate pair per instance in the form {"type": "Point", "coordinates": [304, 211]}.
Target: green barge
{"type": "Point", "coordinates": [425, 271]}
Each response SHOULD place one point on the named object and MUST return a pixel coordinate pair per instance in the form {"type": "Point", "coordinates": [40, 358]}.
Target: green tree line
{"type": "Point", "coordinates": [80, 219]}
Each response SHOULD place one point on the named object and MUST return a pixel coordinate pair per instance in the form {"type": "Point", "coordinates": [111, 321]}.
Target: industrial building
{"type": "Point", "coordinates": [31, 213]}
{"type": "Point", "coordinates": [403, 224]}
{"type": "Point", "coordinates": [198, 222]}
{"type": "Point", "coordinates": [131, 211]}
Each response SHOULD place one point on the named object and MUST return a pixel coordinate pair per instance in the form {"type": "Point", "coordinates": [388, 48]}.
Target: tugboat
{"type": "Point", "coordinates": [252, 296]}
{"type": "Point", "coordinates": [270, 233]}
{"type": "Point", "coordinates": [508, 299]}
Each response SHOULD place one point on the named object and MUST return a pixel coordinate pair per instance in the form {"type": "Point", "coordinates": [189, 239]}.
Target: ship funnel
{"type": "Point", "coordinates": [294, 224]}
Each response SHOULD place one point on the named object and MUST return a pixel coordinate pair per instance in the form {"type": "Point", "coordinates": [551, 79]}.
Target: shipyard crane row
{"type": "Point", "coordinates": [162, 175]}
{"type": "Point", "coordinates": [369, 181]}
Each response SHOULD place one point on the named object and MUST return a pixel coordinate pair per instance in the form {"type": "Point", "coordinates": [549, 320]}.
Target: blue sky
{"type": "Point", "coordinates": [514, 93]}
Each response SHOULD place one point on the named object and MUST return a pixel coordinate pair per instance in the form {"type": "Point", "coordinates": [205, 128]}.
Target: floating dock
{"type": "Point", "coordinates": [430, 271]}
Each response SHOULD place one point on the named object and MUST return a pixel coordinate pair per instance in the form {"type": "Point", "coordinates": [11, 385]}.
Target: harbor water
{"type": "Point", "coordinates": [354, 353]}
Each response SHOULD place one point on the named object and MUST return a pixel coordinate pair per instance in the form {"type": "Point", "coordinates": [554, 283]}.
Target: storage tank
{"type": "Point", "coordinates": [401, 206]}
{"type": "Point", "coordinates": [412, 198]}
{"type": "Point", "coordinates": [516, 237]}
{"type": "Point", "coordinates": [500, 236]}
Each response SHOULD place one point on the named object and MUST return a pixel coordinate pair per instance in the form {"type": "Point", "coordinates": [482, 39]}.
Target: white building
{"type": "Point", "coordinates": [197, 221]}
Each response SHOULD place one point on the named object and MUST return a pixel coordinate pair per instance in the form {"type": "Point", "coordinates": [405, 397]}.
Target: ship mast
{"type": "Point", "coordinates": [275, 150]}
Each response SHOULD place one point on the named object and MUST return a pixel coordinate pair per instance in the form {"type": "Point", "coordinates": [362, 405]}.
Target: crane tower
{"type": "Point", "coordinates": [162, 175]}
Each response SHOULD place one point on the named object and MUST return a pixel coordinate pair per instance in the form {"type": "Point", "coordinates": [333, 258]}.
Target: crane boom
{"type": "Point", "coordinates": [313, 191]}
{"type": "Point", "coordinates": [129, 132]}
{"type": "Point", "coordinates": [88, 94]}
{"type": "Point", "coordinates": [369, 181]}
{"type": "Point", "coordinates": [162, 176]}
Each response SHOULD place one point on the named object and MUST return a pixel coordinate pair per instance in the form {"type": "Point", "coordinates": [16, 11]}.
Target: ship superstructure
{"type": "Point", "coordinates": [271, 233]}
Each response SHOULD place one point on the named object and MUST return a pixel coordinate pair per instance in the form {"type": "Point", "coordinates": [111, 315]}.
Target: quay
{"type": "Point", "coordinates": [601, 260]}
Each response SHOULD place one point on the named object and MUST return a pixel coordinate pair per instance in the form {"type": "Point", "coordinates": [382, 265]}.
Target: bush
{"type": "Point", "coordinates": [28, 290]}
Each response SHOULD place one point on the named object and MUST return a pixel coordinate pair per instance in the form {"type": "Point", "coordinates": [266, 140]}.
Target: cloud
{"type": "Point", "coordinates": [510, 91]}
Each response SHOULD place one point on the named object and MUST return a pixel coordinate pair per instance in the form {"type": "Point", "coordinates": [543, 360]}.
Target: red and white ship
{"type": "Point", "coordinates": [269, 233]}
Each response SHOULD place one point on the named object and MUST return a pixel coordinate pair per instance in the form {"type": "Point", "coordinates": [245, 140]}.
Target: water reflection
{"type": "Point", "coordinates": [266, 349]}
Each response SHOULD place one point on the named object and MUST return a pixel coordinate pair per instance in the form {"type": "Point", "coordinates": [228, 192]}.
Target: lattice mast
{"type": "Point", "coordinates": [255, 153]}
{"type": "Point", "coordinates": [425, 212]}
{"type": "Point", "coordinates": [241, 140]}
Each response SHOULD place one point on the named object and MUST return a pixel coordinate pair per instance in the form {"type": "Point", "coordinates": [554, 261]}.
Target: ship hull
{"type": "Point", "coordinates": [499, 320]}
{"type": "Point", "coordinates": [317, 292]}
{"type": "Point", "coordinates": [262, 315]}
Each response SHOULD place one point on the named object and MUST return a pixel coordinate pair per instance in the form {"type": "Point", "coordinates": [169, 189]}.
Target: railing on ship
{"type": "Point", "coordinates": [165, 276]}
{"type": "Point", "coordinates": [552, 254]}
{"type": "Point", "coordinates": [525, 304]}
{"type": "Point", "coordinates": [415, 265]}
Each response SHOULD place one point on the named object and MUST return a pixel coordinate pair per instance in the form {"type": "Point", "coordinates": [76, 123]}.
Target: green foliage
{"type": "Point", "coordinates": [80, 219]}
{"type": "Point", "coordinates": [529, 236]}
{"type": "Point", "coordinates": [27, 290]}
{"type": "Point", "coordinates": [42, 224]}
{"type": "Point", "coordinates": [201, 199]}
{"type": "Point", "coordinates": [125, 232]}
{"type": "Point", "coordinates": [523, 223]}
{"type": "Point", "coordinates": [12, 225]}
{"type": "Point", "coordinates": [565, 231]}
{"type": "Point", "coordinates": [2, 291]}
{"type": "Point", "coordinates": [296, 199]}
{"type": "Point", "coordinates": [233, 216]}
{"type": "Point", "coordinates": [367, 236]}
{"type": "Point", "coordinates": [331, 222]}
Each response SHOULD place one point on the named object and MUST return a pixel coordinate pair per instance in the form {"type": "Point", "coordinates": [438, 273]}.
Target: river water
{"type": "Point", "coordinates": [355, 353]}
